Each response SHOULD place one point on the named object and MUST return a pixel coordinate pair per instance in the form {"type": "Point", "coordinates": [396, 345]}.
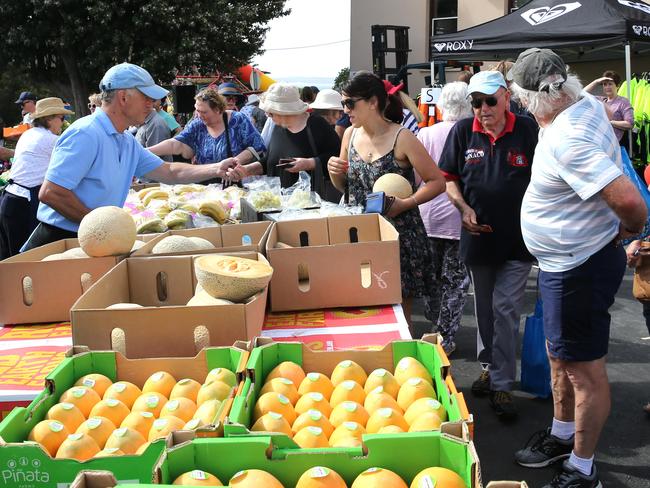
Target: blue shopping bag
{"type": "Point", "coordinates": [535, 368]}
{"type": "Point", "coordinates": [629, 171]}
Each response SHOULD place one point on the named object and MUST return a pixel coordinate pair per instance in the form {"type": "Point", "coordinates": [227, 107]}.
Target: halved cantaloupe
{"type": "Point", "coordinates": [107, 231]}
{"type": "Point", "coordinates": [231, 278]}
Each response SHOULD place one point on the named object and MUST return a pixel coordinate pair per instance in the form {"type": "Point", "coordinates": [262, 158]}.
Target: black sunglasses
{"type": "Point", "coordinates": [350, 102]}
{"type": "Point", "coordinates": [490, 101]}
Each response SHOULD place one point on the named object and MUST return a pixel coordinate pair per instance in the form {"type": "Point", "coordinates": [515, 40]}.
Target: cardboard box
{"type": "Point", "coordinates": [507, 484]}
{"type": "Point", "coordinates": [56, 285]}
{"type": "Point", "coordinates": [164, 326]}
{"type": "Point", "coordinates": [334, 262]}
{"type": "Point", "coordinates": [227, 238]}
{"type": "Point", "coordinates": [263, 359]}
{"type": "Point", "coordinates": [27, 465]}
{"type": "Point", "coordinates": [94, 479]}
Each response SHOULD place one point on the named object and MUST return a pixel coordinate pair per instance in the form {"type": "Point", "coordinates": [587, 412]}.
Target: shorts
{"type": "Point", "coordinates": [576, 305]}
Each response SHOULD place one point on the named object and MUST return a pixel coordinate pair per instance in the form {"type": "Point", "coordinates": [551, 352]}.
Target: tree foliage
{"type": "Point", "coordinates": [79, 40]}
{"type": "Point", "coordinates": [341, 79]}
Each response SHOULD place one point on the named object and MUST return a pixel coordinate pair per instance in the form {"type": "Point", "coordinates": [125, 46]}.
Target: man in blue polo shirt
{"type": "Point", "coordinates": [486, 161]}
{"type": "Point", "coordinates": [96, 158]}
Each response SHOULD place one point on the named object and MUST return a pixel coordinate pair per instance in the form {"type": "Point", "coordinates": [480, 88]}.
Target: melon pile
{"type": "Point", "coordinates": [317, 411]}
{"type": "Point", "coordinates": [97, 417]}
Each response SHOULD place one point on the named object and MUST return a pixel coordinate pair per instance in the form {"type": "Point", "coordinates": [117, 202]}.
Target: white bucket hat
{"type": "Point", "coordinates": [327, 99]}
{"type": "Point", "coordinates": [283, 99]}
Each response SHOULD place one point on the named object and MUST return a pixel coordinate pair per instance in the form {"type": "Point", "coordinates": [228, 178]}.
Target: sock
{"type": "Point", "coordinates": [563, 430]}
{"type": "Point", "coordinates": [581, 464]}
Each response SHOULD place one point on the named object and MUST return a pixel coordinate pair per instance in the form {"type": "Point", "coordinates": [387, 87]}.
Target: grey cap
{"type": "Point", "coordinates": [536, 65]}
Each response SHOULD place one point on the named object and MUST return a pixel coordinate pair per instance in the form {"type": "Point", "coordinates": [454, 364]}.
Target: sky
{"type": "Point", "coordinates": [311, 23]}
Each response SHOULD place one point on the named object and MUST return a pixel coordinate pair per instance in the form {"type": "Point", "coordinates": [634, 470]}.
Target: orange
{"type": "Point", "coordinates": [422, 405]}
{"type": "Point", "coordinates": [442, 477]}
{"type": "Point", "coordinates": [114, 410]}
{"type": "Point", "coordinates": [384, 378]}
{"type": "Point", "coordinates": [274, 402]}
{"type": "Point", "coordinates": [125, 439]}
{"type": "Point", "coordinates": [426, 421]}
{"type": "Point", "coordinates": [123, 391]}
{"type": "Point", "coordinates": [181, 407]}
{"type": "Point", "coordinates": [313, 401]}
{"type": "Point", "coordinates": [82, 397]}
{"type": "Point", "coordinates": [409, 367]}
{"type": "Point", "coordinates": [348, 391]}
{"type": "Point", "coordinates": [162, 427]}
{"type": "Point", "coordinates": [349, 412]}
{"type": "Point", "coordinates": [378, 398]}
{"type": "Point", "coordinates": [50, 434]}
{"type": "Point", "coordinates": [348, 370]}
{"type": "Point", "coordinates": [208, 411]}
{"type": "Point", "coordinates": [317, 382]}
{"type": "Point", "coordinates": [111, 451]}
{"type": "Point", "coordinates": [140, 421]}
{"type": "Point", "coordinates": [66, 413]}
{"type": "Point", "coordinates": [345, 430]}
{"type": "Point", "coordinates": [78, 446]}
{"type": "Point", "coordinates": [96, 381]}
{"type": "Point", "coordinates": [149, 402]}
{"type": "Point", "coordinates": [284, 386]}
{"type": "Point", "coordinates": [186, 388]}
{"type": "Point", "coordinates": [311, 437]}
{"type": "Point", "coordinates": [315, 419]}
{"type": "Point", "coordinates": [272, 422]}
{"type": "Point", "coordinates": [412, 390]}
{"type": "Point", "coordinates": [254, 478]}
{"type": "Point", "coordinates": [320, 477]}
{"type": "Point", "coordinates": [375, 477]}
{"type": "Point", "coordinates": [221, 374]}
{"type": "Point", "coordinates": [215, 390]}
{"type": "Point", "coordinates": [287, 369]}
{"type": "Point", "coordinates": [161, 382]}
{"type": "Point", "coordinates": [383, 417]}
{"type": "Point", "coordinates": [99, 428]}
{"type": "Point", "coordinates": [197, 477]}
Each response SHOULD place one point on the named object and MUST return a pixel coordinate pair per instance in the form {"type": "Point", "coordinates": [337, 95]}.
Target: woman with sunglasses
{"type": "Point", "coordinates": [19, 202]}
{"type": "Point", "coordinates": [376, 144]}
{"type": "Point", "coordinates": [94, 102]}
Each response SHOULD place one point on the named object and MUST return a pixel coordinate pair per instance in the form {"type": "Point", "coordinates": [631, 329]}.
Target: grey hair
{"type": "Point", "coordinates": [554, 95]}
{"type": "Point", "coordinates": [108, 96]}
{"type": "Point", "coordinates": [454, 101]}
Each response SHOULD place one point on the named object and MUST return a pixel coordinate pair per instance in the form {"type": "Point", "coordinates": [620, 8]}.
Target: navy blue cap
{"type": "Point", "coordinates": [24, 96]}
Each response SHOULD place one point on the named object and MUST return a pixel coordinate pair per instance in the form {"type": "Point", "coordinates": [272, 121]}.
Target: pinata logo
{"type": "Point", "coordinates": [23, 473]}
{"type": "Point", "coordinates": [540, 15]}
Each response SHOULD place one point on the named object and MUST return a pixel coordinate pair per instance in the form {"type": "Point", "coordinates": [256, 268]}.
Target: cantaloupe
{"type": "Point", "coordinates": [394, 185]}
{"type": "Point", "coordinates": [137, 244]}
{"type": "Point", "coordinates": [66, 413]}
{"type": "Point", "coordinates": [99, 428]}
{"type": "Point", "coordinates": [181, 407]}
{"type": "Point", "coordinates": [422, 405]}
{"type": "Point", "coordinates": [347, 430]}
{"type": "Point", "coordinates": [425, 422]}
{"type": "Point", "coordinates": [139, 421]}
{"type": "Point", "coordinates": [96, 381]}
{"type": "Point", "coordinates": [383, 417]}
{"type": "Point", "coordinates": [272, 422]}
{"type": "Point", "coordinates": [412, 390]}
{"type": "Point", "coordinates": [317, 382]}
{"type": "Point", "coordinates": [320, 477]}
{"type": "Point", "coordinates": [378, 398]}
{"type": "Point", "coordinates": [378, 477]}
{"type": "Point", "coordinates": [111, 451]}
{"type": "Point", "coordinates": [197, 477]}
{"type": "Point", "coordinates": [215, 390]}
{"type": "Point", "coordinates": [348, 391]}
{"type": "Point", "coordinates": [186, 388]}
{"type": "Point", "coordinates": [207, 411]}
{"type": "Point", "coordinates": [282, 385]}
{"type": "Point", "coordinates": [274, 402]}
{"type": "Point", "coordinates": [221, 374]}
{"type": "Point", "coordinates": [164, 426]}
{"type": "Point", "coordinates": [349, 412]}
{"type": "Point", "coordinates": [314, 401]}
{"type": "Point", "coordinates": [74, 253]}
{"type": "Point", "coordinates": [201, 243]}
{"type": "Point", "coordinates": [348, 370]}
{"type": "Point", "coordinates": [254, 478]}
{"type": "Point", "coordinates": [437, 476]}
{"type": "Point", "coordinates": [313, 418]}
{"type": "Point", "coordinates": [107, 231]}
{"type": "Point", "coordinates": [50, 434]}
{"type": "Point", "coordinates": [409, 367]}
{"type": "Point", "coordinates": [150, 402]}
{"type": "Point", "coordinates": [231, 278]}
{"type": "Point", "coordinates": [160, 381]}
{"type": "Point", "coordinates": [124, 391]}
{"type": "Point", "coordinates": [383, 378]}
{"type": "Point", "coordinates": [202, 297]}
{"type": "Point", "coordinates": [173, 244]}
{"type": "Point", "coordinates": [123, 306]}
{"type": "Point", "coordinates": [311, 437]}
{"type": "Point", "coordinates": [287, 369]}
{"type": "Point", "coordinates": [77, 446]}
{"type": "Point", "coordinates": [82, 397]}
{"type": "Point", "coordinates": [112, 409]}
{"type": "Point", "coordinates": [125, 439]}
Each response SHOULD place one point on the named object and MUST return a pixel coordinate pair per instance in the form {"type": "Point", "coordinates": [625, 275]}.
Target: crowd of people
{"type": "Point", "coordinates": [525, 166]}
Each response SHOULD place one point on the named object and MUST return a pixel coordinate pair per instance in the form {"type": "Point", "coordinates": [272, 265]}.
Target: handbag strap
{"type": "Point", "coordinates": [227, 134]}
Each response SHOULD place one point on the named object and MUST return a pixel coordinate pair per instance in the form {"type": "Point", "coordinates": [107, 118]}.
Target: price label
{"type": "Point", "coordinates": [430, 96]}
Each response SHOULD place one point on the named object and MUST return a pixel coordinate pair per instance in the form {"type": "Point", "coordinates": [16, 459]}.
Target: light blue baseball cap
{"type": "Point", "coordinates": [486, 82]}
{"type": "Point", "coordinates": [128, 75]}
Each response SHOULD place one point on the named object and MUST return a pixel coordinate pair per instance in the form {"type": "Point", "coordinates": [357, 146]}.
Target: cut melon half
{"type": "Point", "coordinates": [230, 277]}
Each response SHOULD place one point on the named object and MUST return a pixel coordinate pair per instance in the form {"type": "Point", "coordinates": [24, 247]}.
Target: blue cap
{"type": "Point", "coordinates": [24, 96]}
{"type": "Point", "coordinates": [486, 82]}
{"type": "Point", "coordinates": [229, 88]}
{"type": "Point", "coordinates": [128, 75]}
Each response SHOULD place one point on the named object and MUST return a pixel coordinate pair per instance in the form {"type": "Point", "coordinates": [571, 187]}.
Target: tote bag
{"type": "Point", "coordinates": [535, 368]}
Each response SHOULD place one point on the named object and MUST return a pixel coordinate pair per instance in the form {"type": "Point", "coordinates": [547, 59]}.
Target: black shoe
{"type": "Point", "coordinates": [503, 405]}
{"type": "Point", "coordinates": [570, 477]}
{"type": "Point", "coordinates": [481, 386]}
{"type": "Point", "coordinates": [543, 449]}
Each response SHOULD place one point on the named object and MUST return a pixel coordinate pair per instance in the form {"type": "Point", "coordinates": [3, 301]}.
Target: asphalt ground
{"type": "Point", "coordinates": [623, 455]}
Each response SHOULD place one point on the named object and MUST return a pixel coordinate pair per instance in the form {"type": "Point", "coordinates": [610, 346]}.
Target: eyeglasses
{"type": "Point", "coordinates": [62, 117]}
{"type": "Point", "coordinates": [350, 102]}
{"type": "Point", "coordinates": [92, 105]}
{"type": "Point", "coordinates": [490, 101]}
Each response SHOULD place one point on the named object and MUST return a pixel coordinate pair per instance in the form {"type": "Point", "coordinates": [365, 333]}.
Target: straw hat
{"type": "Point", "coordinates": [327, 99]}
{"type": "Point", "coordinates": [283, 99]}
{"type": "Point", "coordinates": [50, 106]}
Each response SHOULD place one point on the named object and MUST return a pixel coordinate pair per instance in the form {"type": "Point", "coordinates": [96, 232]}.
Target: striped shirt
{"type": "Point", "coordinates": [410, 122]}
{"type": "Point", "coordinates": [564, 220]}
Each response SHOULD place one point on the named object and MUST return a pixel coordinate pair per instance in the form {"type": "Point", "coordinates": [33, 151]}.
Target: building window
{"type": "Point", "coordinates": [444, 8]}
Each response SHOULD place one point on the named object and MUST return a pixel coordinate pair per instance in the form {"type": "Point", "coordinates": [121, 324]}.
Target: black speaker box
{"type": "Point", "coordinates": [184, 97]}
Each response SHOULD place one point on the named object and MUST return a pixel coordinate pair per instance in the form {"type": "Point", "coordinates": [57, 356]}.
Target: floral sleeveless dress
{"type": "Point", "coordinates": [415, 252]}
